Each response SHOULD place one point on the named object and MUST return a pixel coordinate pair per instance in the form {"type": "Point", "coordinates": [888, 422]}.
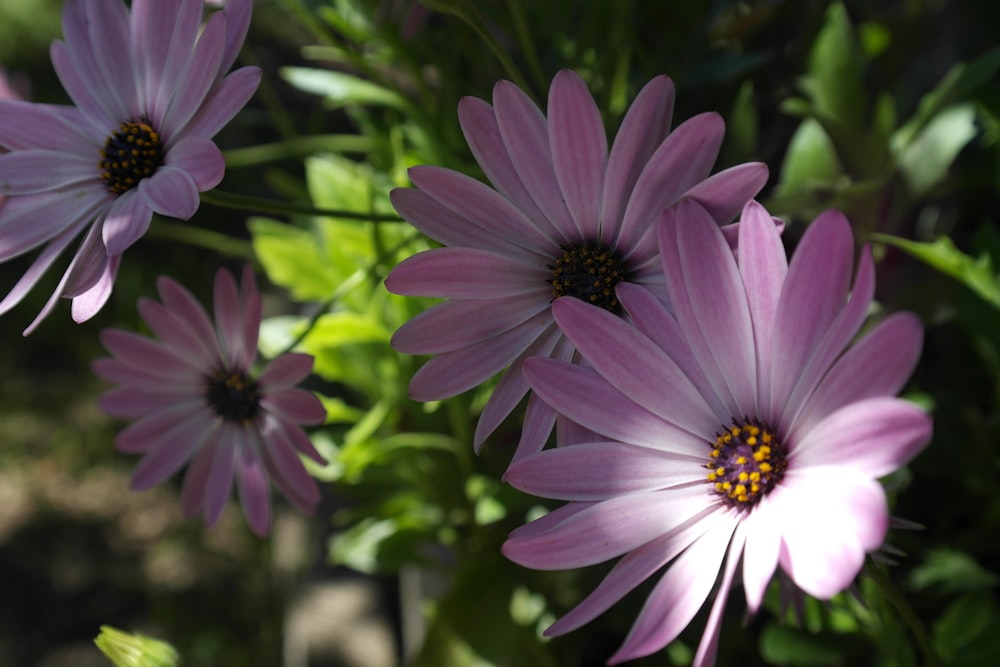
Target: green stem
{"type": "Point", "coordinates": [906, 613]}
{"type": "Point", "coordinates": [263, 205]}
{"type": "Point", "coordinates": [297, 147]}
{"type": "Point", "coordinates": [201, 237]}
{"type": "Point", "coordinates": [527, 44]}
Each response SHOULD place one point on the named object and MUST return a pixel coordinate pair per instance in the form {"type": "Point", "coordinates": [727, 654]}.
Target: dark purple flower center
{"type": "Point", "coordinates": [747, 461]}
{"type": "Point", "coordinates": [589, 272]}
{"type": "Point", "coordinates": [129, 155]}
{"type": "Point", "coordinates": [233, 395]}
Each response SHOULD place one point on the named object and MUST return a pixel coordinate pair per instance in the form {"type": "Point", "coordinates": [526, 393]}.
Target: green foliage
{"type": "Point", "coordinates": [135, 650]}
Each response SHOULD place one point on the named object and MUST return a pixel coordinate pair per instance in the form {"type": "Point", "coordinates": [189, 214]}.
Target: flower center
{"type": "Point", "coordinates": [129, 155]}
{"type": "Point", "coordinates": [232, 395]}
{"type": "Point", "coordinates": [589, 272]}
{"type": "Point", "coordinates": [747, 461]}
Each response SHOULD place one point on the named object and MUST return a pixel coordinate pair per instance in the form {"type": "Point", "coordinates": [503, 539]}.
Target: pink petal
{"type": "Point", "coordinates": [815, 290]}
{"type": "Point", "coordinates": [479, 125]}
{"type": "Point", "coordinates": [200, 159]}
{"type": "Point", "coordinates": [196, 479]}
{"type": "Point", "coordinates": [30, 220]}
{"type": "Point", "coordinates": [484, 207]}
{"type": "Point", "coordinates": [678, 596]}
{"type": "Point", "coordinates": [446, 227]}
{"type": "Point", "coordinates": [168, 69]}
{"type": "Point", "coordinates": [89, 302]}
{"type": "Point", "coordinates": [201, 74]}
{"type": "Point", "coordinates": [634, 365]}
{"type": "Point", "coordinates": [724, 194]}
{"type": "Point", "coordinates": [459, 323]}
{"type": "Point", "coordinates": [171, 192]}
{"type": "Point", "coordinates": [467, 273]}
{"type": "Point", "coordinates": [35, 170]}
{"type": "Point", "coordinates": [144, 353]}
{"type": "Point", "coordinates": [600, 470]}
{"type": "Point", "coordinates": [80, 74]}
{"type": "Point", "coordinates": [763, 266]}
{"type": "Point", "coordinates": [142, 435]}
{"type": "Point", "coordinates": [237, 25]}
{"type": "Point", "coordinates": [586, 398]}
{"type": "Point", "coordinates": [874, 437]}
{"type": "Point", "coordinates": [453, 372]}
{"type": "Point", "coordinates": [607, 529]}
{"type": "Point", "coordinates": [829, 518]}
{"type": "Point", "coordinates": [126, 221]}
{"type": "Point", "coordinates": [228, 314]}
{"type": "Point", "coordinates": [171, 450]}
{"type": "Point", "coordinates": [709, 644]}
{"type": "Point", "coordinates": [255, 496]}
{"type": "Point", "coordinates": [289, 474]}
{"type": "Point", "coordinates": [26, 125]}
{"type": "Point", "coordinates": [219, 481]}
{"type": "Point", "coordinates": [579, 148]}
{"type": "Point", "coordinates": [760, 556]}
{"type": "Point", "coordinates": [286, 370]}
{"type": "Point", "coordinates": [525, 134]}
{"type": "Point", "coordinates": [644, 127]}
{"type": "Point", "coordinates": [131, 403]}
{"type": "Point", "coordinates": [294, 405]}
{"type": "Point", "coordinates": [683, 159]}
{"type": "Point", "coordinates": [189, 310]}
{"type": "Point", "coordinates": [223, 102]}
{"type": "Point", "coordinates": [110, 39]}
{"type": "Point", "coordinates": [168, 326]}
{"type": "Point", "coordinates": [879, 364]}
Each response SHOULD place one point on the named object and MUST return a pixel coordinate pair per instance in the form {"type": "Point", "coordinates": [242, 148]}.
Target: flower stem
{"type": "Point", "coordinates": [293, 148]}
{"type": "Point", "coordinates": [263, 205]}
{"type": "Point", "coordinates": [906, 613]}
{"type": "Point", "coordinates": [201, 237]}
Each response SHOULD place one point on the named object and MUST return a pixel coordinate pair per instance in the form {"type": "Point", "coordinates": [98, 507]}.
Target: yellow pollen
{"type": "Point", "coordinates": [741, 460]}
{"type": "Point", "coordinates": [744, 476]}
{"type": "Point", "coordinates": [765, 467]}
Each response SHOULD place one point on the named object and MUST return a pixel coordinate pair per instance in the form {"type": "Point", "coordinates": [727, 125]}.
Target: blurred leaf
{"type": "Point", "coordinates": [951, 571]}
{"type": "Point", "coordinates": [340, 89]}
{"type": "Point", "coordinates": [835, 83]}
{"type": "Point", "coordinates": [292, 259]}
{"type": "Point", "coordinates": [780, 645]}
{"type": "Point", "coordinates": [976, 274]}
{"type": "Point", "coordinates": [741, 128]}
{"type": "Point", "coordinates": [964, 622]}
{"type": "Point", "coordinates": [925, 161]}
{"type": "Point", "coordinates": [358, 546]}
{"type": "Point", "coordinates": [811, 161]}
{"type": "Point", "coordinates": [135, 650]}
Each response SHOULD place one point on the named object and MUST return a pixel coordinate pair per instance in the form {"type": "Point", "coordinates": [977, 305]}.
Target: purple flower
{"type": "Point", "coordinates": [195, 397]}
{"type": "Point", "coordinates": [567, 217]}
{"type": "Point", "coordinates": [149, 91]}
{"type": "Point", "coordinates": [745, 427]}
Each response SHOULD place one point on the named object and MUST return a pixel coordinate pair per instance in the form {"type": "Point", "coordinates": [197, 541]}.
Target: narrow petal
{"type": "Point", "coordinates": [294, 405]}
{"type": "Point", "coordinates": [711, 304]}
{"type": "Point", "coordinates": [586, 398]}
{"type": "Point", "coordinates": [237, 25]}
{"type": "Point", "coordinates": [678, 596]}
{"type": "Point", "coordinates": [829, 520]}
{"type": "Point", "coordinates": [201, 74]}
{"type": "Point", "coordinates": [110, 43]}
{"type": "Point", "coordinates": [145, 353]}
{"type": "Point", "coordinates": [839, 336]}
{"type": "Point", "coordinates": [89, 302]}
{"type": "Point", "coordinates": [579, 147]}
{"type": "Point", "coordinates": [26, 125]}
{"type": "Point", "coordinates": [223, 467]}
{"type": "Point", "coordinates": [466, 273]}
{"type": "Point", "coordinates": [196, 479]}
{"type": "Point", "coordinates": [140, 436]}
{"type": "Point", "coordinates": [599, 471]}
{"type": "Point", "coordinates": [644, 127]}
{"type": "Point", "coordinates": [453, 372]}
{"type": "Point", "coordinates": [684, 158]}
{"type": "Point", "coordinates": [479, 125]}
{"type": "Point", "coordinates": [222, 103]}
{"type": "Point", "coordinates": [126, 221]}
{"type": "Point", "coordinates": [634, 568]}
{"type": "Point", "coordinates": [171, 192]}
{"type": "Point", "coordinates": [167, 69]}
{"type": "Point", "coordinates": [251, 483]}
{"type": "Point", "coordinates": [525, 134]}
{"type": "Point", "coordinates": [289, 474]}
{"type": "Point", "coordinates": [200, 159]}
{"type": "Point", "coordinates": [874, 437]}
{"type": "Point", "coordinates": [709, 645]}
{"type": "Point", "coordinates": [132, 403]}
{"type": "Point", "coordinates": [459, 323]}
{"type": "Point", "coordinates": [877, 365]}
{"type": "Point", "coordinates": [171, 451]}
{"type": "Point", "coordinates": [763, 266]}
{"type": "Point", "coordinates": [607, 529]}
{"type": "Point", "coordinates": [35, 170]}
{"type": "Point", "coordinates": [483, 207]}
{"type": "Point", "coordinates": [286, 371]}
{"type": "Point", "coordinates": [760, 557]}
{"type": "Point", "coordinates": [169, 327]}
{"type": "Point", "coordinates": [724, 194]}
{"type": "Point", "coordinates": [228, 313]}
{"type": "Point", "coordinates": [189, 310]}
{"type": "Point", "coordinates": [814, 292]}
{"type": "Point", "coordinates": [634, 365]}
{"type": "Point", "coordinates": [101, 120]}
{"type": "Point", "coordinates": [28, 221]}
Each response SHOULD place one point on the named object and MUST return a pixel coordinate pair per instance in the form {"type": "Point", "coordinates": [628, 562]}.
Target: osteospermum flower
{"type": "Point", "coordinates": [197, 399]}
{"type": "Point", "coordinates": [149, 91]}
{"type": "Point", "coordinates": [744, 428]}
{"type": "Point", "coordinates": [567, 217]}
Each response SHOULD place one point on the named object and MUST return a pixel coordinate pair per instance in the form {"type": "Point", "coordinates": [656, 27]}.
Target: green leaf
{"type": "Point", "coordinates": [925, 161]}
{"type": "Point", "coordinates": [339, 89]}
{"type": "Point", "coordinates": [292, 259]}
{"type": "Point", "coordinates": [835, 84]}
{"type": "Point", "coordinates": [963, 623]}
{"type": "Point", "coordinates": [811, 161]}
{"type": "Point", "coordinates": [781, 645]}
{"type": "Point", "coordinates": [952, 571]}
{"type": "Point", "coordinates": [975, 273]}
{"type": "Point", "coordinates": [135, 650]}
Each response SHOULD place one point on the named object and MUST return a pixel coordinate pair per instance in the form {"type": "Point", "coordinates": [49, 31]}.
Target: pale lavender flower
{"type": "Point", "coordinates": [567, 217]}
{"type": "Point", "coordinates": [197, 399]}
{"type": "Point", "coordinates": [744, 428]}
{"type": "Point", "coordinates": [150, 91]}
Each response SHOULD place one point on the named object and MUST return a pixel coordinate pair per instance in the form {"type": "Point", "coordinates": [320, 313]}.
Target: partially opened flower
{"type": "Point", "coordinates": [149, 91]}
{"type": "Point", "coordinates": [744, 428]}
{"type": "Point", "coordinates": [197, 398]}
{"type": "Point", "coordinates": [567, 217]}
